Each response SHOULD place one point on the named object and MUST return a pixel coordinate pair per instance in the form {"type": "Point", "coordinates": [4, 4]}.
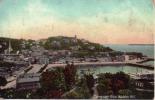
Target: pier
{"type": "Point", "coordinates": [146, 59]}
{"type": "Point", "coordinates": [141, 65]}
{"type": "Point", "coordinates": [95, 64]}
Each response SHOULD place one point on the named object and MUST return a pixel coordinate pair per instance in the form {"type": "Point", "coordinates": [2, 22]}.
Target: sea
{"type": "Point", "coordinates": [147, 50]}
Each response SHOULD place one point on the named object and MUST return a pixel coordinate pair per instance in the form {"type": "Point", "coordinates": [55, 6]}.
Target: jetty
{"type": "Point", "coordinates": [96, 64]}
{"type": "Point", "coordinates": [141, 65]}
{"type": "Point", "coordinates": [145, 59]}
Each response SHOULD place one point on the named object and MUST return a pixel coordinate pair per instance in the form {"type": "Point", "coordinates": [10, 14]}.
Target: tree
{"type": "Point", "coordinates": [104, 86]}
{"type": "Point", "coordinates": [125, 92]}
{"type": "Point", "coordinates": [8, 93]}
{"type": "Point", "coordinates": [53, 83]}
{"type": "Point", "coordinates": [83, 89]}
{"type": "Point", "coordinates": [70, 75]}
{"type": "Point", "coordinates": [118, 84]}
{"type": "Point", "coordinates": [112, 82]}
{"type": "Point", "coordinates": [3, 81]}
{"type": "Point", "coordinates": [90, 82]}
{"type": "Point", "coordinates": [123, 77]}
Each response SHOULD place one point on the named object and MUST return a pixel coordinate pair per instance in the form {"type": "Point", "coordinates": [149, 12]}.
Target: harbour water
{"type": "Point", "coordinates": [149, 63]}
{"type": "Point", "coordinates": [147, 50]}
{"type": "Point", "coordinates": [114, 69]}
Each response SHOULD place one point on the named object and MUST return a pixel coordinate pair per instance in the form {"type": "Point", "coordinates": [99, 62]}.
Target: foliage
{"type": "Point", "coordinates": [12, 93]}
{"type": "Point", "coordinates": [7, 93]}
{"type": "Point", "coordinates": [90, 82]}
{"type": "Point", "coordinates": [70, 75]}
{"type": "Point", "coordinates": [125, 92]}
{"type": "Point", "coordinates": [145, 95]}
{"type": "Point", "coordinates": [6, 64]}
{"type": "Point", "coordinates": [55, 43]}
{"type": "Point", "coordinates": [116, 53]}
{"type": "Point", "coordinates": [78, 93]}
{"type": "Point", "coordinates": [53, 83]}
{"type": "Point", "coordinates": [15, 43]}
{"type": "Point", "coordinates": [56, 94]}
{"type": "Point", "coordinates": [83, 90]}
{"type": "Point", "coordinates": [104, 86]}
{"type": "Point", "coordinates": [3, 81]}
{"type": "Point", "coordinates": [123, 77]}
{"type": "Point", "coordinates": [112, 82]}
{"type": "Point", "coordinates": [72, 94]}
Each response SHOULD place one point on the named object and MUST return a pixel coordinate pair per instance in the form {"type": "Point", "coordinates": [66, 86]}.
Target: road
{"type": "Point", "coordinates": [11, 84]}
{"type": "Point", "coordinates": [36, 68]}
{"type": "Point", "coordinates": [95, 95]}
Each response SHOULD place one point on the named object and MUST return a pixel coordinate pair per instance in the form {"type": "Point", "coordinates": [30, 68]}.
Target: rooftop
{"type": "Point", "coordinates": [29, 77]}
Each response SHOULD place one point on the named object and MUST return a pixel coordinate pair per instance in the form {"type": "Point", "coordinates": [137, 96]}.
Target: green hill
{"type": "Point", "coordinates": [54, 43]}
{"type": "Point", "coordinates": [69, 43]}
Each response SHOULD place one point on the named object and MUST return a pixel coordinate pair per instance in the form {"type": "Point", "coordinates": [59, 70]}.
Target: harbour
{"type": "Point", "coordinates": [137, 65]}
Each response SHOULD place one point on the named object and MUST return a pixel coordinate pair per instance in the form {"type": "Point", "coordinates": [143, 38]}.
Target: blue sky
{"type": "Point", "coordinates": [110, 19]}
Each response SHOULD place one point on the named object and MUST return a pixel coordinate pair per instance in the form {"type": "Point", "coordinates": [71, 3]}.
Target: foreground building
{"type": "Point", "coordinates": [30, 81]}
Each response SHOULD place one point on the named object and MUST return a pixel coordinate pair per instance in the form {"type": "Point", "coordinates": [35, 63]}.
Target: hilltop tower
{"type": "Point", "coordinates": [75, 37]}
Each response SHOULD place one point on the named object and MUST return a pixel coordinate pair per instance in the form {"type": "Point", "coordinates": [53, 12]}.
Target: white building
{"type": "Point", "coordinates": [56, 44]}
{"type": "Point", "coordinates": [126, 57]}
{"type": "Point", "coordinates": [37, 51]}
{"type": "Point", "coordinates": [43, 60]}
{"type": "Point", "coordinates": [66, 41]}
{"type": "Point", "coordinates": [39, 55]}
{"type": "Point", "coordinates": [74, 48]}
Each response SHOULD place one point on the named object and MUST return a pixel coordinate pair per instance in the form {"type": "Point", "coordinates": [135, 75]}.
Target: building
{"type": "Point", "coordinates": [59, 52]}
{"type": "Point", "coordinates": [133, 56]}
{"type": "Point", "coordinates": [120, 58]}
{"type": "Point", "coordinates": [4, 72]}
{"type": "Point", "coordinates": [66, 41]}
{"type": "Point", "coordinates": [75, 40]}
{"type": "Point", "coordinates": [91, 47]}
{"type": "Point", "coordinates": [145, 81]}
{"type": "Point", "coordinates": [29, 81]}
{"type": "Point", "coordinates": [75, 48]}
{"type": "Point", "coordinates": [43, 60]}
{"type": "Point", "coordinates": [56, 44]}
{"type": "Point", "coordinates": [84, 41]}
{"type": "Point", "coordinates": [39, 55]}
{"type": "Point", "coordinates": [37, 51]}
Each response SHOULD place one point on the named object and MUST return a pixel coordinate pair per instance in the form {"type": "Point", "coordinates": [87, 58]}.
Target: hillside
{"type": "Point", "coordinates": [54, 43]}
{"type": "Point", "coordinates": [16, 44]}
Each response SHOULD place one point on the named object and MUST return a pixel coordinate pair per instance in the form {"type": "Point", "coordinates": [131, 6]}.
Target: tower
{"type": "Point", "coordinates": [75, 37]}
{"type": "Point", "coordinates": [9, 48]}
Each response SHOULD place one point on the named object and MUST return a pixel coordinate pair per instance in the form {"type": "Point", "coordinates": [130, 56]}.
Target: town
{"type": "Point", "coordinates": [24, 69]}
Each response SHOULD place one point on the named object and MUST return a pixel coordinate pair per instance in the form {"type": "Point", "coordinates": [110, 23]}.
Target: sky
{"type": "Point", "coordinates": [101, 21]}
